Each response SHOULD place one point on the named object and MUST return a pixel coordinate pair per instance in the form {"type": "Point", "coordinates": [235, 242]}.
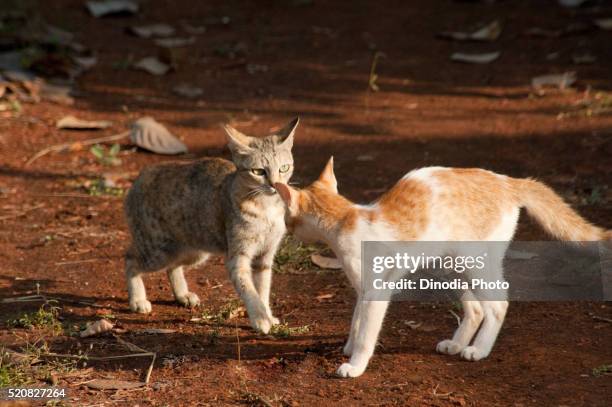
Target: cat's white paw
{"type": "Point", "coordinates": [140, 306]}
{"type": "Point", "coordinates": [348, 370]}
{"type": "Point", "coordinates": [274, 320]}
{"type": "Point", "coordinates": [348, 349]}
{"type": "Point", "coordinates": [189, 300]}
{"type": "Point", "coordinates": [449, 347]}
{"type": "Point", "coordinates": [262, 325]}
{"type": "Point", "coordinates": [473, 353]}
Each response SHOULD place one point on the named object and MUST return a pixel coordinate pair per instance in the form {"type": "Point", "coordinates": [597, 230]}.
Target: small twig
{"type": "Point", "coordinates": [436, 394]}
{"type": "Point", "coordinates": [598, 318]}
{"type": "Point", "coordinates": [27, 298]}
{"type": "Point", "coordinates": [35, 298]}
{"type": "Point", "coordinates": [65, 263]}
{"type": "Point", "coordinates": [133, 347]}
{"type": "Point", "coordinates": [69, 195]}
{"type": "Point", "coordinates": [456, 316]}
{"type": "Point", "coordinates": [73, 144]}
{"type": "Point", "coordinates": [22, 213]}
{"type": "Point", "coordinates": [95, 358]}
{"type": "Point", "coordinates": [237, 339]}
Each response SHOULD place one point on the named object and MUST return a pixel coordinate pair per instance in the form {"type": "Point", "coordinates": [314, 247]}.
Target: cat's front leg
{"type": "Point", "coordinates": [352, 270]}
{"type": "Point", "coordinates": [371, 319]}
{"type": "Point", "coordinates": [239, 268]}
{"type": "Point", "coordinates": [262, 277]}
{"type": "Point", "coordinates": [348, 348]}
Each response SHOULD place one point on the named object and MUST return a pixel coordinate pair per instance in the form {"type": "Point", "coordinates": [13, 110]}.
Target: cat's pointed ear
{"type": "Point", "coordinates": [285, 135]}
{"type": "Point", "coordinates": [327, 177]}
{"type": "Point", "coordinates": [236, 141]}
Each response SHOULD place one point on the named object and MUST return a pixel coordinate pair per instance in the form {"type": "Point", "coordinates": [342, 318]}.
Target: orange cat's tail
{"type": "Point", "coordinates": [554, 215]}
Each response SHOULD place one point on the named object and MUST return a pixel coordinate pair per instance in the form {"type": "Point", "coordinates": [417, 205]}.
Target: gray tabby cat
{"type": "Point", "coordinates": [178, 214]}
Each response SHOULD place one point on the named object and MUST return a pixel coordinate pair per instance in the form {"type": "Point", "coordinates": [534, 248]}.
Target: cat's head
{"type": "Point", "coordinates": [262, 162]}
{"type": "Point", "coordinates": [317, 210]}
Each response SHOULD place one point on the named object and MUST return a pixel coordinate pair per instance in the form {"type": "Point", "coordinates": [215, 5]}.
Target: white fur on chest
{"type": "Point", "coordinates": [272, 227]}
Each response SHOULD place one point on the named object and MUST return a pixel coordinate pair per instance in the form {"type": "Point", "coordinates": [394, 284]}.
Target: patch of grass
{"type": "Point", "coordinates": [31, 366]}
{"type": "Point", "coordinates": [214, 336]}
{"type": "Point", "coordinates": [602, 370]}
{"type": "Point", "coordinates": [293, 256]}
{"type": "Point", "coordinates": [107, 157]}
{"type": "Point", "coordinates": [13, 376]}
{"type": "Point", "coordinates": [596, 105]}
{"type": "Point", "coordinates": [227, 311]}
{"type": "Point", "coordinates": [98, 187]}
{"type": "Point", "coordinates": [254, 400]}
{"type": "Point", "coordinates": [373, 78]}
{"type": "Point", "coordinates": [284, 331]}
{"type": "Point", "coordinates": [45, 318]}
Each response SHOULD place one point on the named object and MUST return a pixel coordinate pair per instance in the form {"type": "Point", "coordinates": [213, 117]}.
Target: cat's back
{"type": "Point", "coordinates": [183, 201]}
{"type": "Point", "coordinates": [163, 178]}
{"type": "Point", "coordinates": [467, 200]}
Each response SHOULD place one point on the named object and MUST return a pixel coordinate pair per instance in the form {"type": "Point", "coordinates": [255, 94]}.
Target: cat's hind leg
{"type": "Point", "coordinates": [176, 275]}
{"type": "Point", "coordinates": [472, 318]}
{"type": "Point", "coordinates": [494, 312]}
{"type": "Point", "coordinates": [137, 294]}
{"type": "Point", "coordinates": [179, 288]}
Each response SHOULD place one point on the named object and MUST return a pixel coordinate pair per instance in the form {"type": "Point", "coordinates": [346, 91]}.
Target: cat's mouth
{"type": "Point", "coordinates": [270, 190]}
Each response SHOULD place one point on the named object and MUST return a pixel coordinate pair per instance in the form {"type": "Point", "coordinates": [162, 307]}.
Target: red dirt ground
{"type": "Point", "coordinates": [429, 111]}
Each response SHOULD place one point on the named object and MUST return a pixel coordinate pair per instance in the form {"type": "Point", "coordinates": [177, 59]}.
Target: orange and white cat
{"type": "Point", "coordinates": [428, 204]}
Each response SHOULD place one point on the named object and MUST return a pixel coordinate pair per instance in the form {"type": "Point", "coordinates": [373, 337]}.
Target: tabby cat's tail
{"type": "Point", "coordinates": [554, 215]}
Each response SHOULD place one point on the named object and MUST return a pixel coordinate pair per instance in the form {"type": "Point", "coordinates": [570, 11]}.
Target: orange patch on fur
{"type": "Point", "coordinates": [405, 207]}
{"type": "Point", "coordinates": [475, 200]}
{"type": "Point", "coordinates": [332, 209]}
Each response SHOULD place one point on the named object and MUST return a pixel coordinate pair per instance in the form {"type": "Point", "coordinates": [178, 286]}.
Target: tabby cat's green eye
{"type": "Point", "coordinates": [258, 171]}
{"type": "Point", "coordinates": [284, 168]}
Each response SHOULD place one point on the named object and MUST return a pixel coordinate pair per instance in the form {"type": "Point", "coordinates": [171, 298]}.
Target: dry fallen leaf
{"type": "Point", "coordinates": [110, 384]}
{"type": "Point", "coordinates": [571, 3]}
{"type": "Point", "coordinates": [475, 58]}
{"type": "Point", "coordinates": [153, 30]}
{"type": "Point", "coordinates": [106, 7]}
{"type": "Point", "coordinates": [151, 135]}
{"type": "Point", "coordinates": [543, 32]}
{"type": "Point", "coordinates": [85, 63]}
{"type": "Point", "coordinates": [174, 42]}
{"type": "Point", "coordinates": [489, 32]}
{"type": "Point", "coordinates": [604, 23]}
{"type": "Point", "coordinates": [56, 93]}
{"type": "Point", "coordinates": [325, 262]}
{"type": "Point", "coordinates": [97, 327]}
{"type": "Point", "coordinates": [72, 123]}
{"type": "Point", "coordinates": [153, 66]}
{"type": "Point", "coordinates": [194, 29]}
{"type": "Point", "coordinates": [561, 81]}
{"type": "Point", "coordinates": [188, 91]}
{"type": "Point", "coordinates": [583, 59]}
